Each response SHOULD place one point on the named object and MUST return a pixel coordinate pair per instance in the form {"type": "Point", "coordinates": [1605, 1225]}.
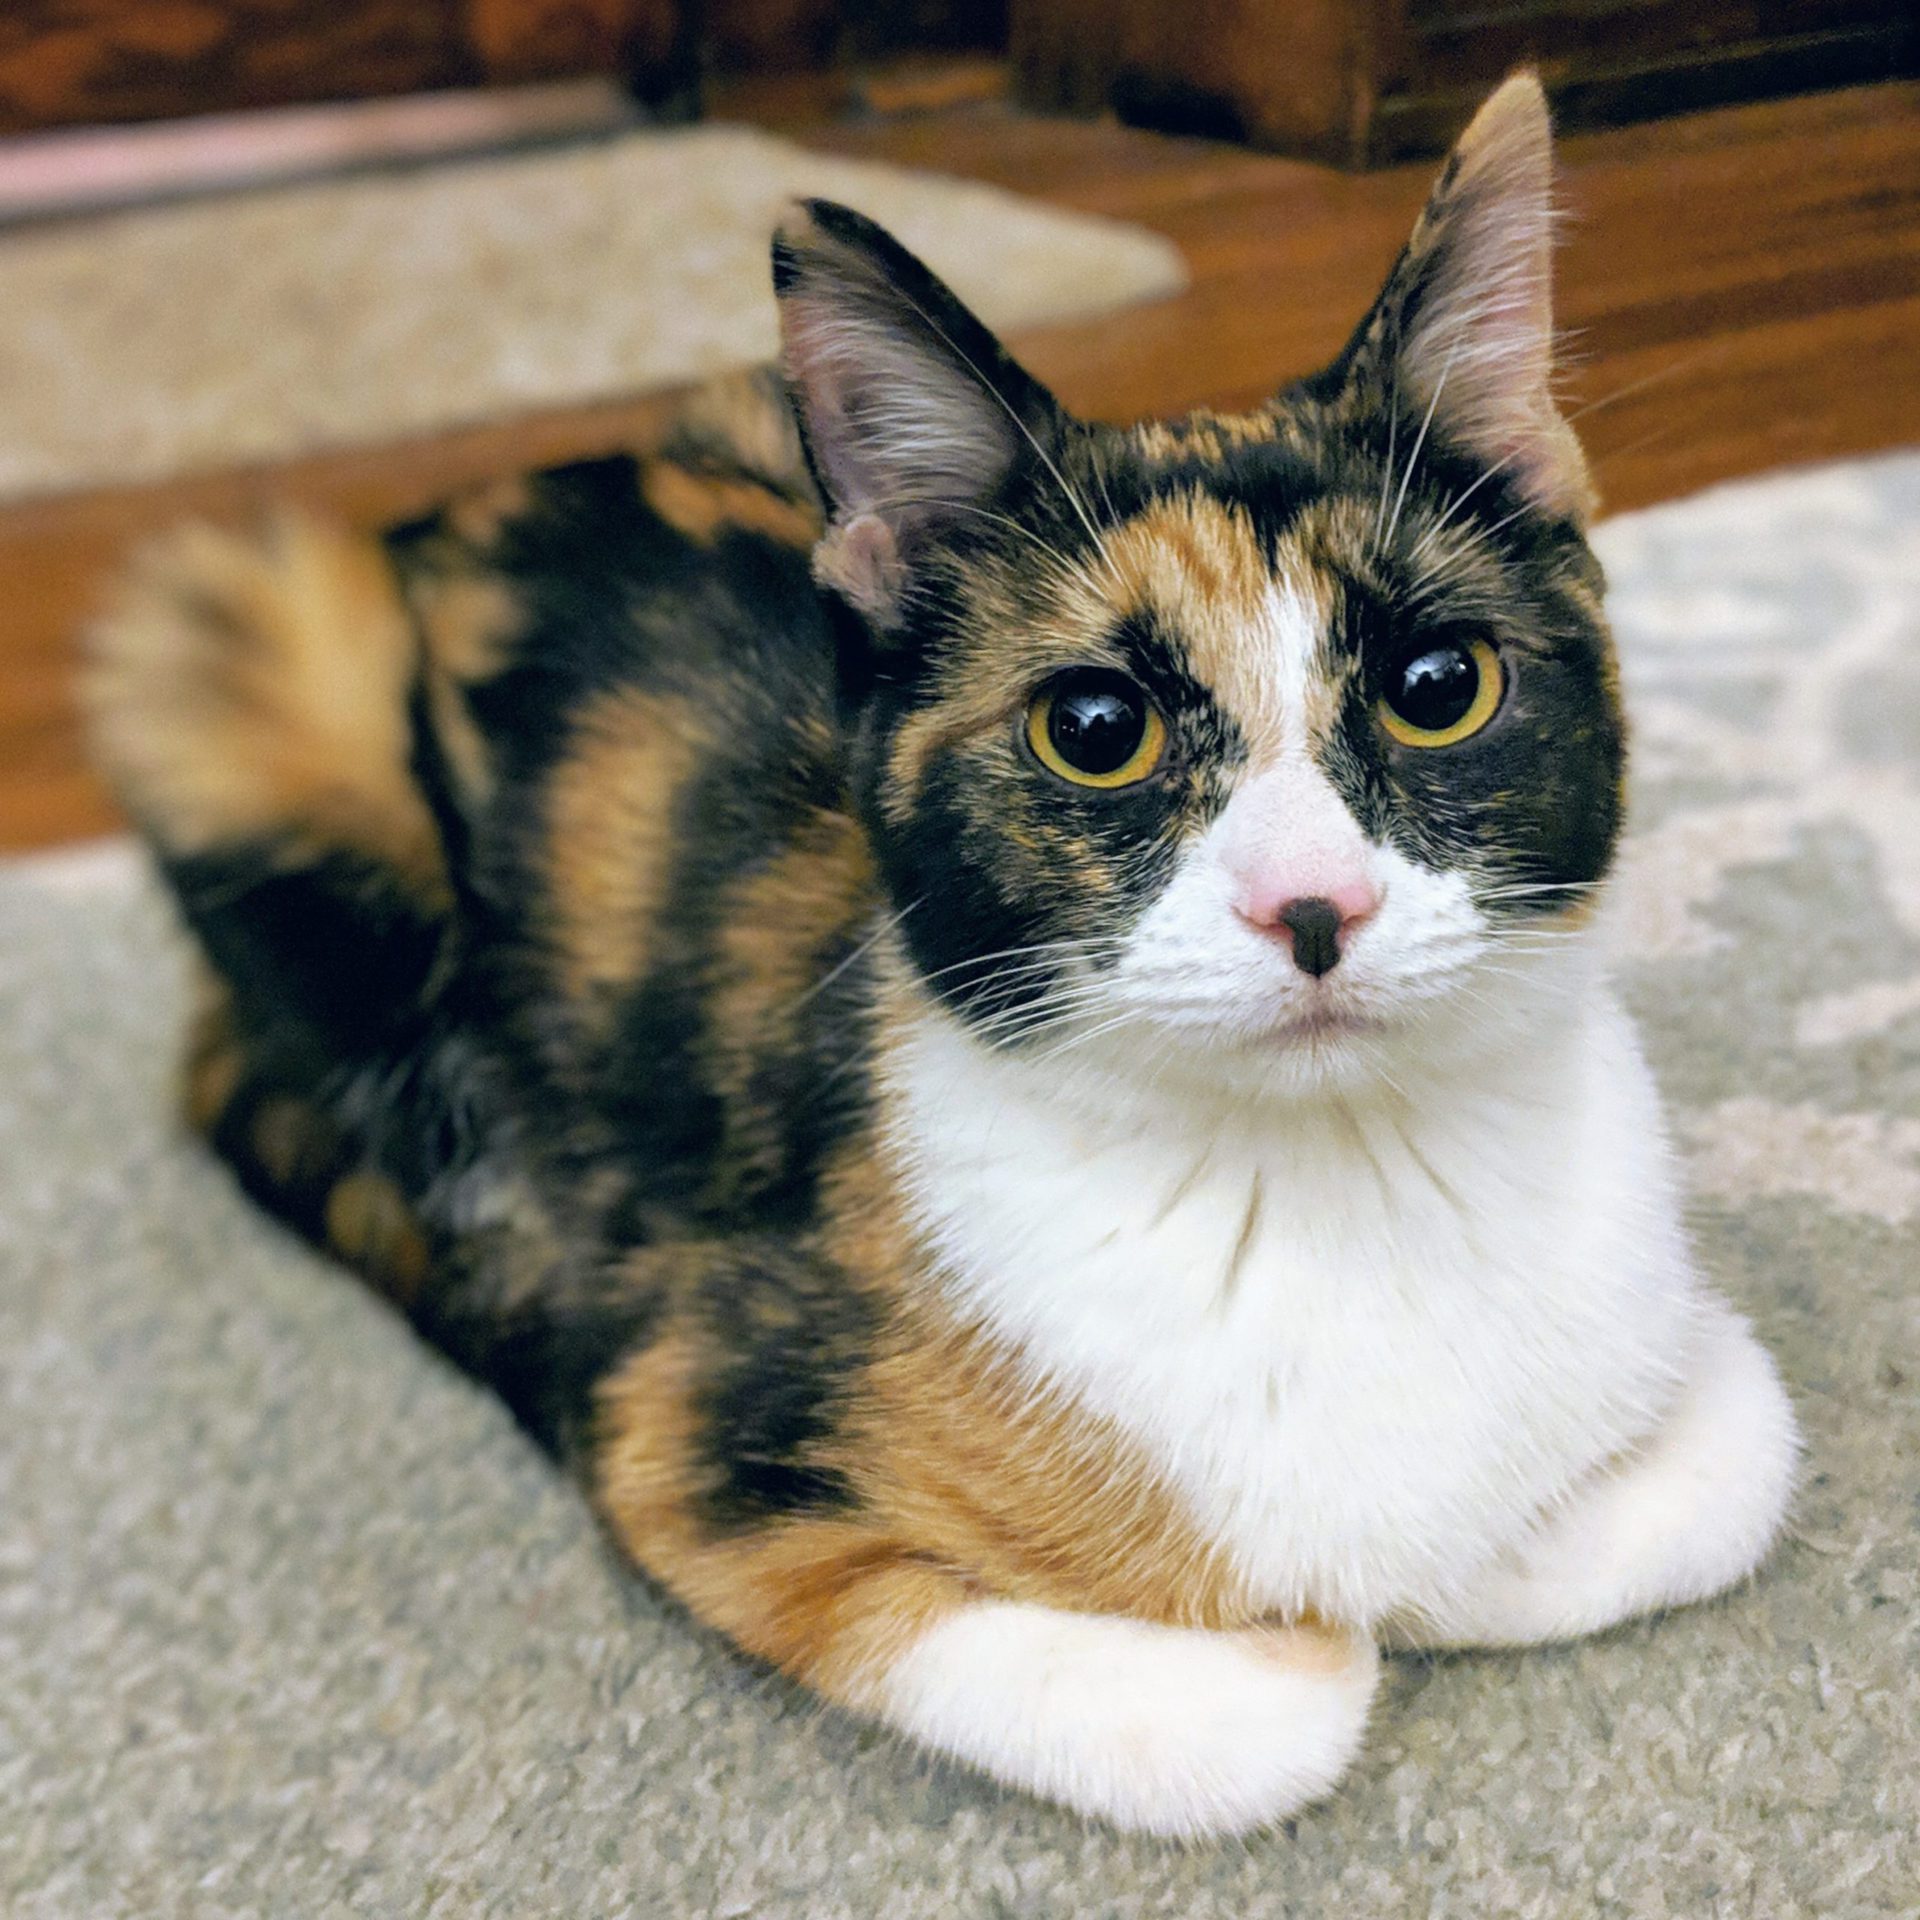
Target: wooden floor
{"type": "Point", "coordinates": [1742, 290]}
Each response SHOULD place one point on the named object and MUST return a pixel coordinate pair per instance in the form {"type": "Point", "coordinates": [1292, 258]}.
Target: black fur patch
{"type": "Point", "coordinates": [1534, 799]}
{"type": "Point", "coordinates": [789, 1338]}
{"type": "Point", "coordinates": [333, 953]}
{"type": "Point", "coordinates": [547, 1357]}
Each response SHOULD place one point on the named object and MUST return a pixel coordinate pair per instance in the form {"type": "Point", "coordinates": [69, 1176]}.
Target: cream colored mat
{"type": "Point", "coordinates": [268, 324]}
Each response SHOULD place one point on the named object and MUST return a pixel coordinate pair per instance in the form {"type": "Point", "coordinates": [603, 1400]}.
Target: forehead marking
{"type": "Point", "coordinates": [1250, 624]}
{"type": "Point", "coordinates": [1204, 435]}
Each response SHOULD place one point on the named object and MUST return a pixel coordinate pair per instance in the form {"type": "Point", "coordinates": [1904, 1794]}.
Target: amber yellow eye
{"type": "Point", "coordinates": [1441, 694]}
{"type": "Point", "coordinates": [1095, 728]}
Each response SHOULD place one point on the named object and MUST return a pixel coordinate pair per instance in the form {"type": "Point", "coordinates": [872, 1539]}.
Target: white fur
{"type": "Point", "coordinates": [1170, 1730]}
{"type": "Point", "coordinates": [1402, 1312]}
{"type": "Point", "coordinates": [1685, 1515]}
{"type": "Point", "coordinates": [1369, 1338]}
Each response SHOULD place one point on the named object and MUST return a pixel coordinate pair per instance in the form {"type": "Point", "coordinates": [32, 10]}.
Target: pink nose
{"type": "Point", "coordinates": [1317, 925]}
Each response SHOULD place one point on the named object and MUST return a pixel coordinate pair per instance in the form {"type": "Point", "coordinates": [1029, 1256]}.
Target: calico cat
{"type": "Point", "coordinates": [993, 1024]}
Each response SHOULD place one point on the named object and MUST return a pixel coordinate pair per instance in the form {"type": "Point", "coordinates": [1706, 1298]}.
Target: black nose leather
{"type": "Point", "coordinates": [1315, 926]}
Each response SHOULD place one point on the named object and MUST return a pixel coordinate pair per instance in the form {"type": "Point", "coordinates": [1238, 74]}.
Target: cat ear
{"type": "Point", "coordinates": [1465, 324]}
{"type": "Point", "coordinates": [912, 412]}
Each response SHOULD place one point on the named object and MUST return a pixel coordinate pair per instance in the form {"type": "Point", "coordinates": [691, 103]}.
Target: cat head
{"type": "Point", "coordinates": [1287, 736]}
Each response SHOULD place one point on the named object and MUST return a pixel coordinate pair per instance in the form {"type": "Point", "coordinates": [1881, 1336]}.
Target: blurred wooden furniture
{"type": "Point", "coordinates": [64, 62]}
{"type": "Point", "coordinates": [96, 62]}
{"type": "Point", "coordinates": [1361, 82]}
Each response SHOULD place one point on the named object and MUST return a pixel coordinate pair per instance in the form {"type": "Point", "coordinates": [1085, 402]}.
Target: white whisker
{"type": "Point", "coordinates": [1413, 459]}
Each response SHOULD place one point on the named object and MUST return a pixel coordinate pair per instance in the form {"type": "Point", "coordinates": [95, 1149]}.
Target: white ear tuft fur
{"type": "Point", "coordinates": [1470, 309]}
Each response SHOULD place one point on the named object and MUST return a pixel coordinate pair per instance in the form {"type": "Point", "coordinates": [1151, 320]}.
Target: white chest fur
{"type": "Point", "coordinates": [1367, 1341]}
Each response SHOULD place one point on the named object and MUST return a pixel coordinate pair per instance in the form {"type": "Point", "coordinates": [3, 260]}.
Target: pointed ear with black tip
{"type": "Point", "coordinates": [912, 412]}
{"type": "Point", "coordinates": [1463, 332]}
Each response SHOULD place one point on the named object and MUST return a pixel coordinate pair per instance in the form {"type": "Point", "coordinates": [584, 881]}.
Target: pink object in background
{"type": "Point", "coordinates": [76, 170]}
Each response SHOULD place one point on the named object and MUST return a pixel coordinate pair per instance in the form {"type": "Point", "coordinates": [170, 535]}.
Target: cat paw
{"type": "Point", "coordinates": [1690, 1513]}
{"type": "Point", "coordinates": [1173, 1731]}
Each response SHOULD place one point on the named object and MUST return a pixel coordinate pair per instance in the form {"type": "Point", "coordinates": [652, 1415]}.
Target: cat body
{"type": "Point", "coordinates": [996, 1027]}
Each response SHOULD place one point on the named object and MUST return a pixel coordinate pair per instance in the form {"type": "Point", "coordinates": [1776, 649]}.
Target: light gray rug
{"type": "Point", "coordinates": [293, 1623]}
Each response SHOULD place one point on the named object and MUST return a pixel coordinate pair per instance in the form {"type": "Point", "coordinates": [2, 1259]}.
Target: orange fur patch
{"type": "Point", "coordinates": [480, 515]}
{"type": "Point", "coordinates": [257, 688]}
{"type": "Point", "coordinates": [972, 1484]}
{"type": "Point", "coordinates": [969, 1477]}
{"type": "Point", "coordinates": [1199, 564]}
{"type": "Point", "coordinates": [778, 919]}
{"type": "Point", "coordinates": [986, 688]}
{"type": "Point", "coordinates": [704, 506]}
{"type": "Point", "coordinates": [1204, 435]}
{"type": "Point", "coordinates": [611, 837]}
{"type": "Point", "coordinates": [1194, 561]}
{"type": "Point", "coordinates": [828, 1601]}
{"type": "Point", "coordinates": [468, 620]}
{"type": "Point", "coordinates": [983, 1468]}
{"type": "Point", "coordinates": [370, 1225]}
{"type": "Point", "coordinates": [972, 1460]}
{"type": "Point", "coordinates": [969, 711]}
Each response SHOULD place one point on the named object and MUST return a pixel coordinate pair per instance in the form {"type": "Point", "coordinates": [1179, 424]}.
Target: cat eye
{"type": "Point", "coordinates": [1096, 728]}
{"type": "Point", "coordinates": [1438, 695]}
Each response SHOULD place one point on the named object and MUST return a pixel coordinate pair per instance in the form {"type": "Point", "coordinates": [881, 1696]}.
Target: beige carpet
{"type": "Point", "coordinates": [266, 324]}
{"type": "Point", "coordinates": [294, 1624]}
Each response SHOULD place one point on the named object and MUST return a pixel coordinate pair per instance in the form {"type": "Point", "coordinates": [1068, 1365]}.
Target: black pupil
{"type": "Point", "coordinates": [1096, 722]}
{"type": "Point", "coordinates": [1434, 689]}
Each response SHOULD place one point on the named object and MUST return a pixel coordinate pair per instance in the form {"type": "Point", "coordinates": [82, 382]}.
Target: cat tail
{"type": "Point", "coordinates": [259, 703]}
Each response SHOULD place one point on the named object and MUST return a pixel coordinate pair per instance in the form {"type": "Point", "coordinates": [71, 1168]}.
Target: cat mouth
{"type": "Point", "coordinates": [1319, 1024]}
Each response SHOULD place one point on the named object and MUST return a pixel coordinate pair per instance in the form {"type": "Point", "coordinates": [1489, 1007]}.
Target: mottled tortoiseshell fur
{"type": "Point", "coordinates": [563, 862]}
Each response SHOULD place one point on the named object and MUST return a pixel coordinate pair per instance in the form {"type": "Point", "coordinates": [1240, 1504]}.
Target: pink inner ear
{"type": "Point", "coordinates": [898, 424]}
{"type": "Point", "coordinates": [897, 431]}
{"type": "Point", "coordinates": [816, 360]}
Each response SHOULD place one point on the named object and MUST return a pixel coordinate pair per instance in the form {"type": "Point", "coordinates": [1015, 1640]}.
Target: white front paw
{"type": "Point", "coordinates": [1686, 1515]}
{"type": "Point", "coordinates": [1166, 1730]}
